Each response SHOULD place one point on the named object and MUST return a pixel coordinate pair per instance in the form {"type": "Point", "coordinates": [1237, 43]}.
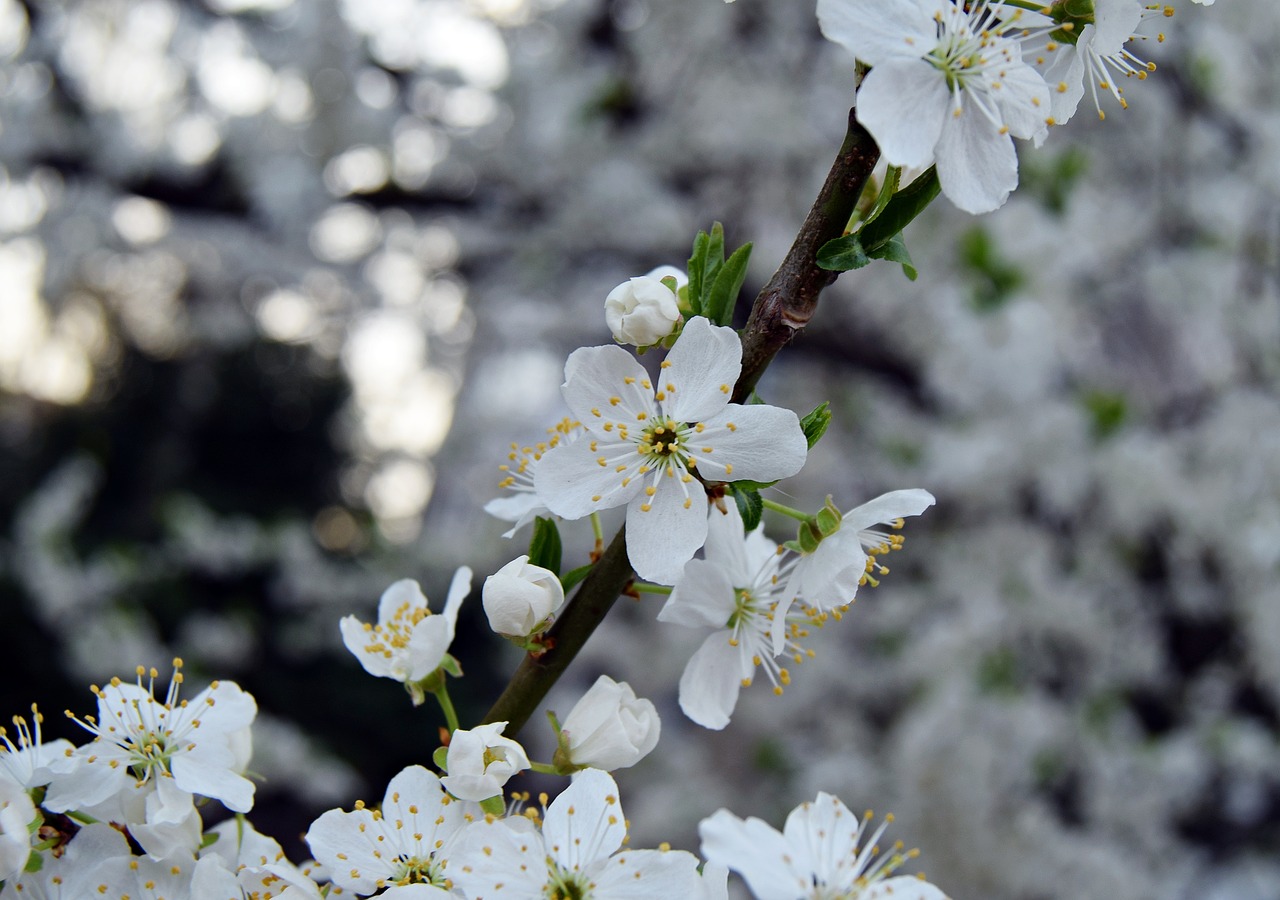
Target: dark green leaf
{"type": "Point", "coordinates": [728, 282]}
{"type": "Point", "coordinates": [570, 579]}
{"type": "Point", "coordinates": [843, 254]}
{"type": "Point", "coordinates": [895, 250]}
{"type": "Point", "coordinates": [901, 210]}
{"type": "Point", "coordinates": [747, 485]}
{"type": "Point", "coordinates": [544, 546]}
{"type": "Point", "coordinates": [697, 269]}
{"type": "Point", "coordinates": [750, 506]}
{"type": "Point", "coordinates": [815, 424]}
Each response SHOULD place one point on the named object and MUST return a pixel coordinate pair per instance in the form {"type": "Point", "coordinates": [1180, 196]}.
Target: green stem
{"type": "Point", "coordinates": [643, 587]}
{"type": "Point", "coordinates": [543, 768]}
{"type": "Point", "coordinates": [446, 705]}
{"type": "Point", "coordinates": [597, 529]}
{"type": "Point", "coordinates": [797, 514]}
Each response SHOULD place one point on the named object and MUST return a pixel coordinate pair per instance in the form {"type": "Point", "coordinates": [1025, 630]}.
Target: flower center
{"type": "Point", "coordinates": [563, 885]}
{"type": "Point", "coordinates": [662, 443]}
{"type": "Point", "coordinates": [415, 870]}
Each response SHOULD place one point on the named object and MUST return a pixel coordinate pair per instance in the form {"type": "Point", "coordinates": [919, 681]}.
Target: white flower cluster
{"type": "Point", "coordinates": [952, 83]}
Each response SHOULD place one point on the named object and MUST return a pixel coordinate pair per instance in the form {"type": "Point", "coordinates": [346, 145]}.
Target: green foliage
{"type": "Point", "coordinates": [1053, 178]}
{"type": "Point", "coordinates": [750, 505]}
{"type": "Point", "coordinates": [1107, 410]}
{"type": "Point", "coordinates": [998, 672]}
{"type": "Point", "coordinates": [544, 545]}
{"type": "Point", "coordinates": [815, 424]}
{"type": "Point", "coordinates": [881, 236]}
{"type": "Point", "coordinates": [570, 579]}
{"type": "Point", "coordinates": [995, 280]}
{"type": "Point", "coordinates": [714, 282]}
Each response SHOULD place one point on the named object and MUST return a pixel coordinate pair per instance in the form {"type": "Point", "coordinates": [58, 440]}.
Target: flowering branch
{"type": "Point", "coordinates": [787, 303]}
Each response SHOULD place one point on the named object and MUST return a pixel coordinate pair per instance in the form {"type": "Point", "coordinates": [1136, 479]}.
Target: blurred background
{"type": "Point", "coordinates": [281, 281]}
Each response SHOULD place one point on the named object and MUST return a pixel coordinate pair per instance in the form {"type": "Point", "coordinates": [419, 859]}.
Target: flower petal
{"type": "Point", "coordinates": [702, 598]}
{"type": "Point", "coordinates": [904, 887]}
{"type": "Point", "coordinates": [904, 103]}
{"type": "Point", "coordinates": [888, 507]}
{"type": "Point", "coordinates": [699, 373]}
{"type": "Point", "coordinates": [662, 538]}
{"type": "Point", "coordinates": [712, 680]}
{"type": "Point", "coordinates": [585, 824]}
{"type": "Point", "coordinates": [761, 443]}
{"type": "Point", "coordinates": [572, 483]}
{"type": "Point", "coordinates": [873, 30]}
{"type": "Point", "coordinates": [596, 375]}
{"type": "Point", "coordinates": [977, 165]}
{"type": "Point", "coordinates": [756, 851]}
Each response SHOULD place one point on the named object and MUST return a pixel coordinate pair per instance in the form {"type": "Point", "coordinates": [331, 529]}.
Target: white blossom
{"type": "Point", "coordinates": [31, 761]}
{"type": "Point", "coordinates": [480, 761]}
{"type": "Point", "coordinates": [403, 842]}
{"type": "Point", "coordinates": [642, 311]}
{"type": "Point", "coordinates": [16, 814]}
{"type": "Point", "coordinates": [822, 852]}
{"type": "Point", "coordinates": [408, 642]}
{"type": "Point", "coordinates": [577, 853]}
{"type": "Point", "coordinates": [946, 86]}
{"type": "Point", "coordinates": [519, 599]}
{"type": "Point", "coordinates": [610, 728]}
{"type": "Point", "coordinates": [521, 505]}
{"type": "Point", "coordinates": [645, 443]}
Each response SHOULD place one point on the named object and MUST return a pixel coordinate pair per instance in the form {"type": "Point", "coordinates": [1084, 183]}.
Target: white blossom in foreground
{"type": "Point", "coordinates": [609, 728]}
{"type": "Point", "coordinates": [946, 86]}
{"type": "Point", "coordinates": [252, 865]}
{"type": "Point", "coordinates": [405, 841]}
{"type": "Point", "coordinates": [821, 853]}
{"type": "Point", "coordinates": [150, 757]}
{"type": "Point", "coordinates": [521, 506]}
{"type": "Point", "coordinates": [644, 443]}
{"type": "Point", "coordinates": [735, 590]}
{"type": "Point", "coordinates": [829, 577]}
{"type": "Point", "coordinates": [641, 312]}
{"type": "Point", "coordinates": [480, 761]}
{"type": "Point", "coordinates": [16, 814]}
{"type": "Point", "coordinates": [519, 599]}
{"type": "Point", "coordinates": [73, 874]}
{"type": "Point", "coordinates": [577, 853]}
{"type": "Point", "coordinates": [408, 643]}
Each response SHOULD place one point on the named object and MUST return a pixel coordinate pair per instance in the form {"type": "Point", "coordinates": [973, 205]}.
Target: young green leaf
{"type": "Point", "coordinates": [815, 423]}
{"type": "Point", "coordinates": [750, 506]}
{"type": "Point", "coordinates": [544, 546]}
{"type": "Point", "coordinates": [895, 250]}
{"type": "Point", "coordinates": [570, 579]}
{"type": "Point", "coordinates": [728, 282]}
{"type": "Point", "coordinates": [843, 254]}
{"type": "Point", "coordinates": [900, 211]}
{"type": "Point", "coordinates": [697, 270]}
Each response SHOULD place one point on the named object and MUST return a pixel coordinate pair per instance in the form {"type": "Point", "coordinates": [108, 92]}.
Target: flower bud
{"type": "Point", "coordinates": [609, 728]}
{"type": "Point", "coordinates": [480, 761]}
{"type": "Point", "coordinates": [642, 311]}
{"type": "Point", "coordinates": [519, 598]}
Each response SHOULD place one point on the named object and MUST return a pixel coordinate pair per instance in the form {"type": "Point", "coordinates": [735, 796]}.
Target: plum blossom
{"type": "Point", "coordinates": [16, 813]}
{"type": "Point", "coordinates": [946, 86]}
{"type": "Point", "coordinates": [519, 599]}
{"type": "Point", "coordinates": [522, 505]}
{"type": "Point", "coordinates": [736, 590]}
{"type": "Point", "coordinates": [408, 643]}
{"type": "Point", "coordinates": [641, 312]}
{"type": "Point", "coordinates": [823, 851]}
{"type": "Point", "coordinates": [480, 761]}
{"type": "Point", "coordinates": [609, 728]}
{"type": "Point", "coordinates": [577, 853]}
{"type": "Point", "coordinates": [829, 577]}
{"type": "Point", "coordinates": [645, 443]}
{"type": "Point", "coordinates": [406, 841]}
{"type": "Point", "coordinates": [31, 761]}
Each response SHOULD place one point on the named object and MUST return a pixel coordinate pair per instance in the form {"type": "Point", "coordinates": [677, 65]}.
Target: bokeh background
{"type": "Point", "coordinates": [281, 280]}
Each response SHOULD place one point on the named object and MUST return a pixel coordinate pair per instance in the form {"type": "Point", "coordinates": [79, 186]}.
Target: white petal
{"type": "Point", "coordinates": [1065, 79]}
{"type": "Point", "coordinates": [191, 773]}
{"type": "Point", "coordinates": [766, 443]}
{"type": "Point", "coordinates": [874, 30]}
{"type": "Point", "coordinates": [663, 538]}
{"type": "Point", "coordinates": [725, 545]}
{"type": "Point", "coordinates": [887, 507]}
{"type": "Point", "coordinates": [712, 680]}
{"type": "Point", "coordinates": [977, 165]}
{"type": "Point", "coordinates": [702, 598]}
{"type": "Point", "coordinates": [585, 824]}
{"type": "Point", "coordinates": [594, 375]}
{"type": "Point", "coordinates": [824, 836]}
{"type": "Point", "coordinates": [1023, 99]}
{"type": "Point", "coordinates": [756, 851]}
{"type": "Point", "coordinates": [569, 478]}
{"type": "Point", "coordinates": [904, 887]}
{"type": "Point", "coordinates": [406, 591]}
{"type": "Point", "coordinates": [459, 588]}
{"type": "Point", "coordinates": [700, 371]}
{"type": "Point", "coordinates": [904, 104]}
{"type": "Point", "coordinates": [339, 841]}
{"type": "Point", "coordinates": [500, 861]}
{"type": "Point", "coordinates": [427, 646]}
{"type": "Point", "coordinates": [356, 637]}
{"type": "Point", "coordinates": [645, 874]}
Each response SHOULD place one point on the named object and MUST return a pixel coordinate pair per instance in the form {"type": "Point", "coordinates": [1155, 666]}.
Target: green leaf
{"type": "Point", "coordinates": [843, 254]}
{"type": "Point", "coordinates": [544, 546]}
{"type": "Point", "coordinates": [750, 506]}
{"type": "Point", "coordinates": [895, 250]}
{"type": "Point", "coordinates": [724, 289]}
{"type": "Point", "coordinates": [440, 756]}
{"type": "Point", "coordinates": [571, 578]}
{"type": "Point", "coordinates": [887, 190]}
{"type": "Point", "coordinates": [715, 259]}
{"type": "Point", "coordinates": [697, 270]}
{"type": "Point", "coordinates": [900, 211]}
{"type": "Point", "coordinates": [815, 424]}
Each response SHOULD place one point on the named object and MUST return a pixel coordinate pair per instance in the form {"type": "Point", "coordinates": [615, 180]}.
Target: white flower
{"type": "Point", "coordinates": [404, 842]}
{"type": "Point", "coordinates": [480, 761]}
{"type": "Point", "coordinates": [16, 813]}
{"type": "Point", "coordinates": [74, 873]}
{"type": "Point", "coordinates": [642, 311]}
{"type": "Point", "coordinates": [610, 728]}
{"type": "Point", "coordinates": [945, 86]}
{"type": "Point", "coordinates": [735, 590]}
{"type": "Point", "coordinates": [408, 643]}
{"type": "Point", "coordinates": [157, 753]}
{"type": "Point", "coordinates": [821, 853]}
{"type": "Point", "coordinates": [829, 577]}
{"type": "Point", "coordinates": [32, 762]}
{"type": "Point", "coordinates": [522, 505]}
{"type": "Point", "coordinates": [519, 599]}
{"type": "Point", "coordinates": [644, 445]}
{"type": "Point", "coordinates": [574, 855]}
{"type": "Point", "coordinates": [253, 866]}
